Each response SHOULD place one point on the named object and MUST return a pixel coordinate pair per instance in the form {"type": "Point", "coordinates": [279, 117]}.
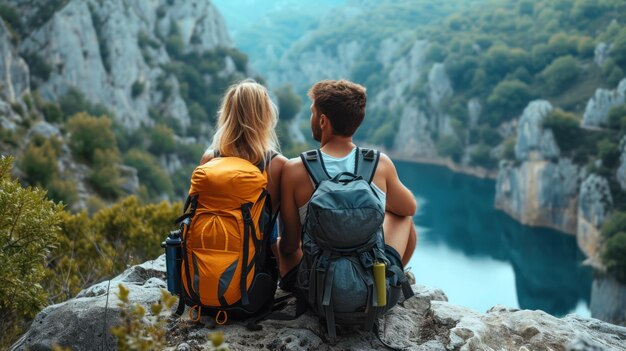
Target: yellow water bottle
{"type": "Point", "coordinates": [381, 283]}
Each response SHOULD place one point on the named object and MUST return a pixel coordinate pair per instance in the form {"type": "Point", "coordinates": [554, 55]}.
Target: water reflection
{"type": "Point", "coordinates": [468, 247]}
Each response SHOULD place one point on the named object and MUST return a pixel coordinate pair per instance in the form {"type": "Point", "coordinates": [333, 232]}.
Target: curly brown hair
{"type": "Point", "coordinates": [342, 101]}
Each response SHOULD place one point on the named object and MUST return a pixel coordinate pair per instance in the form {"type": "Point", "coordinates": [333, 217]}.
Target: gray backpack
{"type": "Point", "coordinates": [342, 239]}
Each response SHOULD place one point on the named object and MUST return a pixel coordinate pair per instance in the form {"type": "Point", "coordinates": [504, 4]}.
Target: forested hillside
{"type": "Point", "coordinates": [533, 83]}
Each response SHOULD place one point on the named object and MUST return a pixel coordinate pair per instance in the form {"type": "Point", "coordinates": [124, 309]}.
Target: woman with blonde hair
{"type": "Point", "coordinates": [246, 129]}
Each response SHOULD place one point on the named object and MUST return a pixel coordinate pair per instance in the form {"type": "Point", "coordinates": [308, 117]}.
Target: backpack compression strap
{"type": "Point", "coordinates": [314, 165]}
{"type": "Point", "coordinates": [262, 166]}
{"type": "Point", "coordinates": [366, 163]}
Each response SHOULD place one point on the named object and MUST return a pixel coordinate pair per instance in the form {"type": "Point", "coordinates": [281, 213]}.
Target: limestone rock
{"type": "Point", "coordinates": [601, 53]}
{"type": "Point", "coordinates": [45, 130]}
{"type": "Point", "coordinates": [474, 109]}
{"type": "Point", "coordinates": [413, 138]}
{"type": "Point", "coordinates": [439, 84]}
{"type": "Point", "coordinates": [594, 205]}
{"type": "Point", "coordinates": [425, 322]}
{"type": "Point", "coordinates": [99, 48]}
{"type": "Point", "coordinates": [534, 142]}
{"type": "Point", "coordinates": [621, 171]}
{"type": "Point", "coordinates": [608, 300]}
{"type": "Point", "coordinates": [540, 193]}
{"type": "Point", "coordinates": [14, 72]}
{"type": "Point", "coordinates": [598, 107]}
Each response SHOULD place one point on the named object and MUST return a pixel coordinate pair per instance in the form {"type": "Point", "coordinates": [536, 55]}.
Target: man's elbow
{"type": "Point", "coordinates": [285, 249]}
{"type": "Point", "coordinates": [406, 210]}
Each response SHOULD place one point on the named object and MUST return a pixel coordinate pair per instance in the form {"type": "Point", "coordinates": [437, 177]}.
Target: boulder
{"type": "Point", "coordinates": [14, 72]}
{"type": "Point", "coordinates": [594, 205]}
{"type": "Point", "coordinates": [601, 53]}
{"type": "Point", "coordinates": [540, 193]}
{"type": "Point", "coordinates": [608, 300]}
{"type": "Point", "coordinates": [597, 110]}
{"type": "Point", "coordinates": [533, 141]}
{"type": "Point", "coordinates": [621, 171]}
{"type": "Point", "coordinates": [424, 322]}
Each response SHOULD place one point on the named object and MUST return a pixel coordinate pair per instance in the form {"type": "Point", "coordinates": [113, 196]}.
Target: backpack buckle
{"type": "Point", "coordinates": [368, 154]}
{"type": "Point", "coordinates": [245, 211]}
{"type": "Point", "coordinates": [311, 155]}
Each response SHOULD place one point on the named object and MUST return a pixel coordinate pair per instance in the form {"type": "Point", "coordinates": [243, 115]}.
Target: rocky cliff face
{"type": "Point", "coordinates": [102, 48]}
{"type": "Point", "coordinates": [541, 188]}
{"type": "Point", "coordinates": [425, 322]}
{"type": "Point", "coordinates": [14, 79]}
{"type": "Point", "coordinates": [598, 107]}
{"type": "Point", "coordinates": [608, 300]}
{"type": "Point", "coordinates": [594, 205]}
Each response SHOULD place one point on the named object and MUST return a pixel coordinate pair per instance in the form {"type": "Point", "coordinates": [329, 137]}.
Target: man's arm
{"type": "Point", "coordinates": [290, 241]}
{"type": "Point", "coordinates": [400, 200]}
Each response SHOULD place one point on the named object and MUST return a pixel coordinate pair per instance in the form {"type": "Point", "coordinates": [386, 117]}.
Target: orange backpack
{"type": "Point", "coordinates": [227, 265]}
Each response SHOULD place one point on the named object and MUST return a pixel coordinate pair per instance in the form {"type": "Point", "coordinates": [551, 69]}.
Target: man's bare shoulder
{"type": "Point", "coordinates": [385, 164]}
{"type": "Point", "coordinates": [294, 169]}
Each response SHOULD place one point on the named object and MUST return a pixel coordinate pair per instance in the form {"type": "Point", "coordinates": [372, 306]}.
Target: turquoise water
{"type": "Point", "coordinates": [481, 257]}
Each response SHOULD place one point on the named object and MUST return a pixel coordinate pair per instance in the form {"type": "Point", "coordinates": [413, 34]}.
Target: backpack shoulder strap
{"type": "Point", "coordinates": [268, 158]}
{"type": "Point", "coordinates": [314, 165]}
{"type": "Point", "coordinates": [366, 163]}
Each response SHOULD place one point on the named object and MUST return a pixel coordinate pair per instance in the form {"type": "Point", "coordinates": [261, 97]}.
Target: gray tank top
{"type": "Point", "coordinates": [335, 166]}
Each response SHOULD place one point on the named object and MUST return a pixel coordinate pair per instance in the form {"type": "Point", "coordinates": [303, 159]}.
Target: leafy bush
{"type": "Point", "coordinates": [566, 129]}
{"type": "Point", "coordinates": [162, 140]}
{"type": "Point", "coordinates": [137, 88]}
{"type": "Point", "coordinates": [618, 52]}
{"type": "Point", "coordinates": [450, 146]}
{"type": "Point", "coordinates": [74, 102]}
{"type": "Point", "coordinates": [481, 156]}
{"type": "Point", "coordinates": [52, 112]}
{"type": "Point", "coordinates": [105, 174]}
{"type": "Point", "coordinates": [508, 153]}
{"type": "Point", "coordinates": [64, 191]}
{"type": "Point", "coordinates": [609, 153]}
{"type": "Point", "coordinates": [88, 134]}
{"type": "Point", "coordinates": [39, 162]}
{"type": "Point", "coordinates": [586, 47]}
{"type": "Point", "coordinates": [149, 171]}
{"type": "Point", "coordinates": [507, 100]}
{"type": "Point", "coordinates": [137, 334]}
{"type": "Point", "coordinates": [29, 227]}
{"type": "Point", "coordinates": [561, 73]}
{"type": "Point", "coordinates": [617, 118]}
{"type": "Point", "coordinates": [38, 66]}
{"type": "Point", "coordinates": [614, 256]}
{"type": "Point", "coordinates": [289, 102]}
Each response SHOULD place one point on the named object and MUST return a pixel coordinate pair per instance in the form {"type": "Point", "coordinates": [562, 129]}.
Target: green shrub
{"type": "Point", "coordinates": [566, 129]}
{"type": "Point", "coordinates": [618, 52]}
{"type": "Point", "coordinates": [561, 74]}
{"type": "Point", "coordinates": [587, 9]}
{"type": "Point", "coordinates": [135, 333]}
{"type": "Point", "coordinates": [289, 102]}
{"type": "Point", "coordinates": [609, 153]}
{"type": "Point", "coordinates": [489, 136]}
{"type": "Point", "coordinates": [52, 112]}
{"type": "Point", "coordinates": [162, 140]}
{"type": "Point", "coordinates": [617, 118]}
{"type": "Point", "coordinates": [88, 134]}
{"type": "Point", "coordinates": [175, 46]}
{"type": "Point", "coordinates": [74, 102]}
{"type": "Point", "coordinates": [614, 256]}
{"type": "Point", "coordinates": [586, 47]}
{"type": "Point", "coordinates": [63, 191]}
{"type": "Point", "coordinates": [137, 88]}
{"type": "Point", "coordinates": [508, 153]}
{"type": "Point", "coordinates": [38, 66]}
{"type": "Point", "coordinates": [450, 146]}
{"type": "Point", "coordinates": [507, 100]}
{"type": "Point", "coordinates": [29, 227]}
{"type": "Point", "coordinates": [481, 156]}
{"type": "Point", "coordinates": [39, 162]}
{"type": "Point", "coordinates": [105, 173]}
{"type": "Point", "coordinates": [149, 171]}
{"type": "Point", "coordinates": [614, 224]}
